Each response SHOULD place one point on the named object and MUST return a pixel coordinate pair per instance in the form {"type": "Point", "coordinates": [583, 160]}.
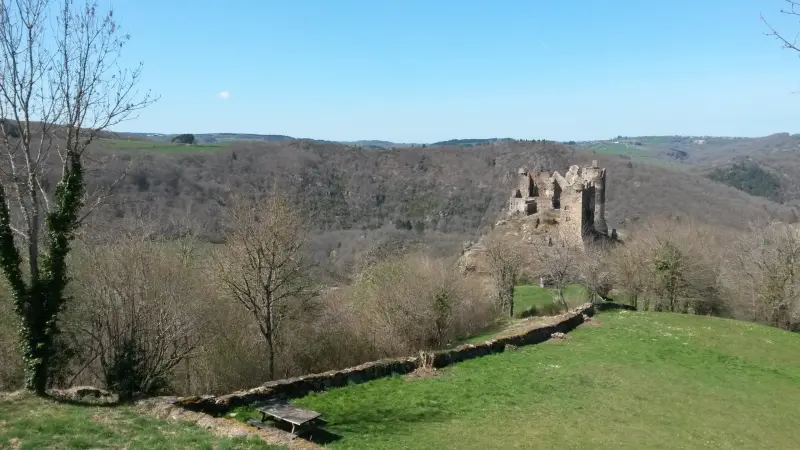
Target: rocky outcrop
{"type": "Point", "coordinates": [540, 228]}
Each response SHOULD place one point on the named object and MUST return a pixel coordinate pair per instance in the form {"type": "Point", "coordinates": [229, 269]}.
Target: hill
{"type": "Point", "coordinates": [210, 138]}
{"type": "Point", "coordinates": [361, 200]}
{"type": "Point", "coordinates": [635, 380]}
{"type": "Point", "coordinates": [379, 144]}
{"type": "Point", "coordinates": [772, 163]}
{"type": "Point", "coordinates": [766, 166]}
{"type": "Point", "coordinates": [444, 189]}
{"type": "Point", "coordinates": [467, 142]}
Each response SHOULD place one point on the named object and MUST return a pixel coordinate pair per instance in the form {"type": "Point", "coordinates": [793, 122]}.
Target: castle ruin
{"type": "Point", "coordinates": [574, 201]}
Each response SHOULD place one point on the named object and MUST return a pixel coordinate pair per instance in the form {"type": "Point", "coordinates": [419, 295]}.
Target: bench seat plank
{"type": "Point", "coordinates": [289, 413]}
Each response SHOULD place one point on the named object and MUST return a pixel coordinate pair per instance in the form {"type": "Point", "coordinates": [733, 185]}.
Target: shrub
{"type": "Point", "coordinates": [397, 307]}
{"type": "Point", "coordinates": [669, 265]}
{"type": "Point", "coordinates": [137, 314]}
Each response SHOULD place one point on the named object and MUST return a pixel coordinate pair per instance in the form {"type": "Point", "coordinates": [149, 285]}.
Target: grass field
{"type": "Point", "coordinates": [637, 154]}
{"type": "Point", "coordinates": [529, 295]}
{"type": "Point", "coordinates": [27, 422]}
{"type": "Point", "coordinates": [153, 146]}
{"type": "Point", "coordinates": [637, 380]}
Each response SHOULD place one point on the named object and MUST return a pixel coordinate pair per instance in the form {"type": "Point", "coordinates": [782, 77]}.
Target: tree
{"type": "Point", "coordinates": [766, 274]}
{"type": "Point", "coordinates": [10, 129]}
{"type": "Point", "coordinates": [263, 265]}
{"type": "Point", "coordinates": [593, 270]}
{"type": "Point", "coordinates": [184, 139]}
{"type": "Point", "coordinates": [793, 10]}
{"type": "Point", "coordinates": [671, 265]}
{"type": "Point", "coordinates": [505, 262]}
{"type": "Point", "coordinates": [137, 313]}
{"type": "Point", "coordinates": [670, 284]}
{"type": "Point", "coordinates": [558, 263]}
{"type": "Point", "coordinates": [627, 273]}
{"type": "Point", "coordinates": [61, 89]}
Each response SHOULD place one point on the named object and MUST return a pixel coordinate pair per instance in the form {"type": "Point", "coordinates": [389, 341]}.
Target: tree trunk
{"type": "Point", "coordinates": [270, 337]}
{"type": "Point", "coordinates": [510, 295]}
{"type": "Point", "coordinates": [271, 350]}
{"type": "Point", "coordinates": [36, 356]}
{"type": "Point", "coordinates": [562, 300]}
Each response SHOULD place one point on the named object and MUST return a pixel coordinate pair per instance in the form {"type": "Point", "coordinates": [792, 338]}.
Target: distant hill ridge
{"type": "Point", "coordinates": [666, 140]}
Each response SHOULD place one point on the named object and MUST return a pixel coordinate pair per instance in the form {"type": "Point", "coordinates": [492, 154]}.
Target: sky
{"type": "Point", "coordinates": [424, 71]}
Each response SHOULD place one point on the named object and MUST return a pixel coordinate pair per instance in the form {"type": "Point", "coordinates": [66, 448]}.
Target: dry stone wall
{"type": "Point", "coordinates": [303, 385]}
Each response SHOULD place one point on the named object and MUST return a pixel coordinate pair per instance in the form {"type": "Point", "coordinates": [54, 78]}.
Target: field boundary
{"type": "Point", "coordinates": [302, 385]}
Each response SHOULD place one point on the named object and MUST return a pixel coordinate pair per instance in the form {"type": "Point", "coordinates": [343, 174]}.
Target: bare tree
{"type": "Point", "coordinates": [263, 265]}
{"type": "Point", "coordinates": [672, 266]}
{"type": "Point", "coordinates": [558, 263]}
{"type": "Point", "coordinates": [138, 313]}
{"type": "Point", "coordinates": [593, 270]}
{"type": "Point", "coordinates": [540, 162]}
{"type": "Point", "coordinates": [58, 90]}
{"type": "Point", "coordinates": [627, 271]}
{"type": "Point", "coordinates": [793, 9]}
{"type": "Point", "coordinates": [504, 261]}
{"type": "Point", "coordinates": [766, 274]}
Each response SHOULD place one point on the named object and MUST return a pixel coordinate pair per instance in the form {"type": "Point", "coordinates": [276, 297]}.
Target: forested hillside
{"type": "Point", "coordinates": [361, 199]}
{"type": "Point", "coordinates": [447, 189]}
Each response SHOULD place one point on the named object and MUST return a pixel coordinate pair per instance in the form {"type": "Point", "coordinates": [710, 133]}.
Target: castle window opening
{"type": "Point", "coordinates": [556, 196]}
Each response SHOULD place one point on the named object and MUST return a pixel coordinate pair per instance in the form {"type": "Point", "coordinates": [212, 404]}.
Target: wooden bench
{"type": "Point", "coordinates": [300, 419]}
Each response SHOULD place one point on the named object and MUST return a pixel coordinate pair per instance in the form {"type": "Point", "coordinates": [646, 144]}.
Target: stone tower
{"type": "Point", "coordinates": [575, 200]}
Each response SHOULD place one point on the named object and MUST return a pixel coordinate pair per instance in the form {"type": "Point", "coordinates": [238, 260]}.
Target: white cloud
{"type": "Point", "coordinates": [224, 95]}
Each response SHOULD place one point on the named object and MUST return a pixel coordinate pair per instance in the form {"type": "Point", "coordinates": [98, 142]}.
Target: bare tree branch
{"type": "Point", "coordinates": [58, 91]}
{"type": "Point", "coordinates": [263, 265]}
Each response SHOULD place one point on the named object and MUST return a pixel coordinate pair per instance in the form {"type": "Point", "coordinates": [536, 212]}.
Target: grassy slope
{"type": "Point", "coordinates": [639, 380]}
{"type": "Point", "coordinates": [29, 422]}
{"type": "Point", "coordinates": [637, 154]}
{"type": "Point", "coordinates": [528, 295]}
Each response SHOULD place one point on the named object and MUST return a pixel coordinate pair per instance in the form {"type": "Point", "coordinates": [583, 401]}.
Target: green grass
{"type": "Point", "coordinates": [638, 380]}
{"type": "Point", "coordinates": [485, 335]}
{"type": "Point", "coordinates": [154, 146]}
{"type": "Point", "coordinates": [32, 423]}
{"type": "Point", "coordinates": [620, 149]}
{"type": "Point", "coordinates": [529, 295]}
{"type": "Point", "coordinates": [638, 154]}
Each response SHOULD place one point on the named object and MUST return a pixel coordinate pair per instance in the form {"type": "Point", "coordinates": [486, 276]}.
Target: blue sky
{"type": "Point", "coordinates": [422, 71]}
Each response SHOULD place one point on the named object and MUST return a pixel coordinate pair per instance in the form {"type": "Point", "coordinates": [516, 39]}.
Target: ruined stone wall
{"type": "Point", "coordinates": [303, 385]}
{"type": "Point", "coordinates": [574, 200]}
{"type": "Point", "coordinates": [572, 209]}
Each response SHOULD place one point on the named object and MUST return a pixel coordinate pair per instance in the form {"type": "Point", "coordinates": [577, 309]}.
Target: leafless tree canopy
{"type": "Point", "coordinates": [59, 89]}
{"type": "Point", "coordinates": [557, 262]}
{"type": "Point", "coordinates": [263, 266]}
{"type": "Point", "coordinates": [792, 9]}
{"type": "Point", "coordinates": [505, 261]}
{"type": "Point", "coordinates": [766, 275]}
{"type": "Point", "coordinates": [138, 312]}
